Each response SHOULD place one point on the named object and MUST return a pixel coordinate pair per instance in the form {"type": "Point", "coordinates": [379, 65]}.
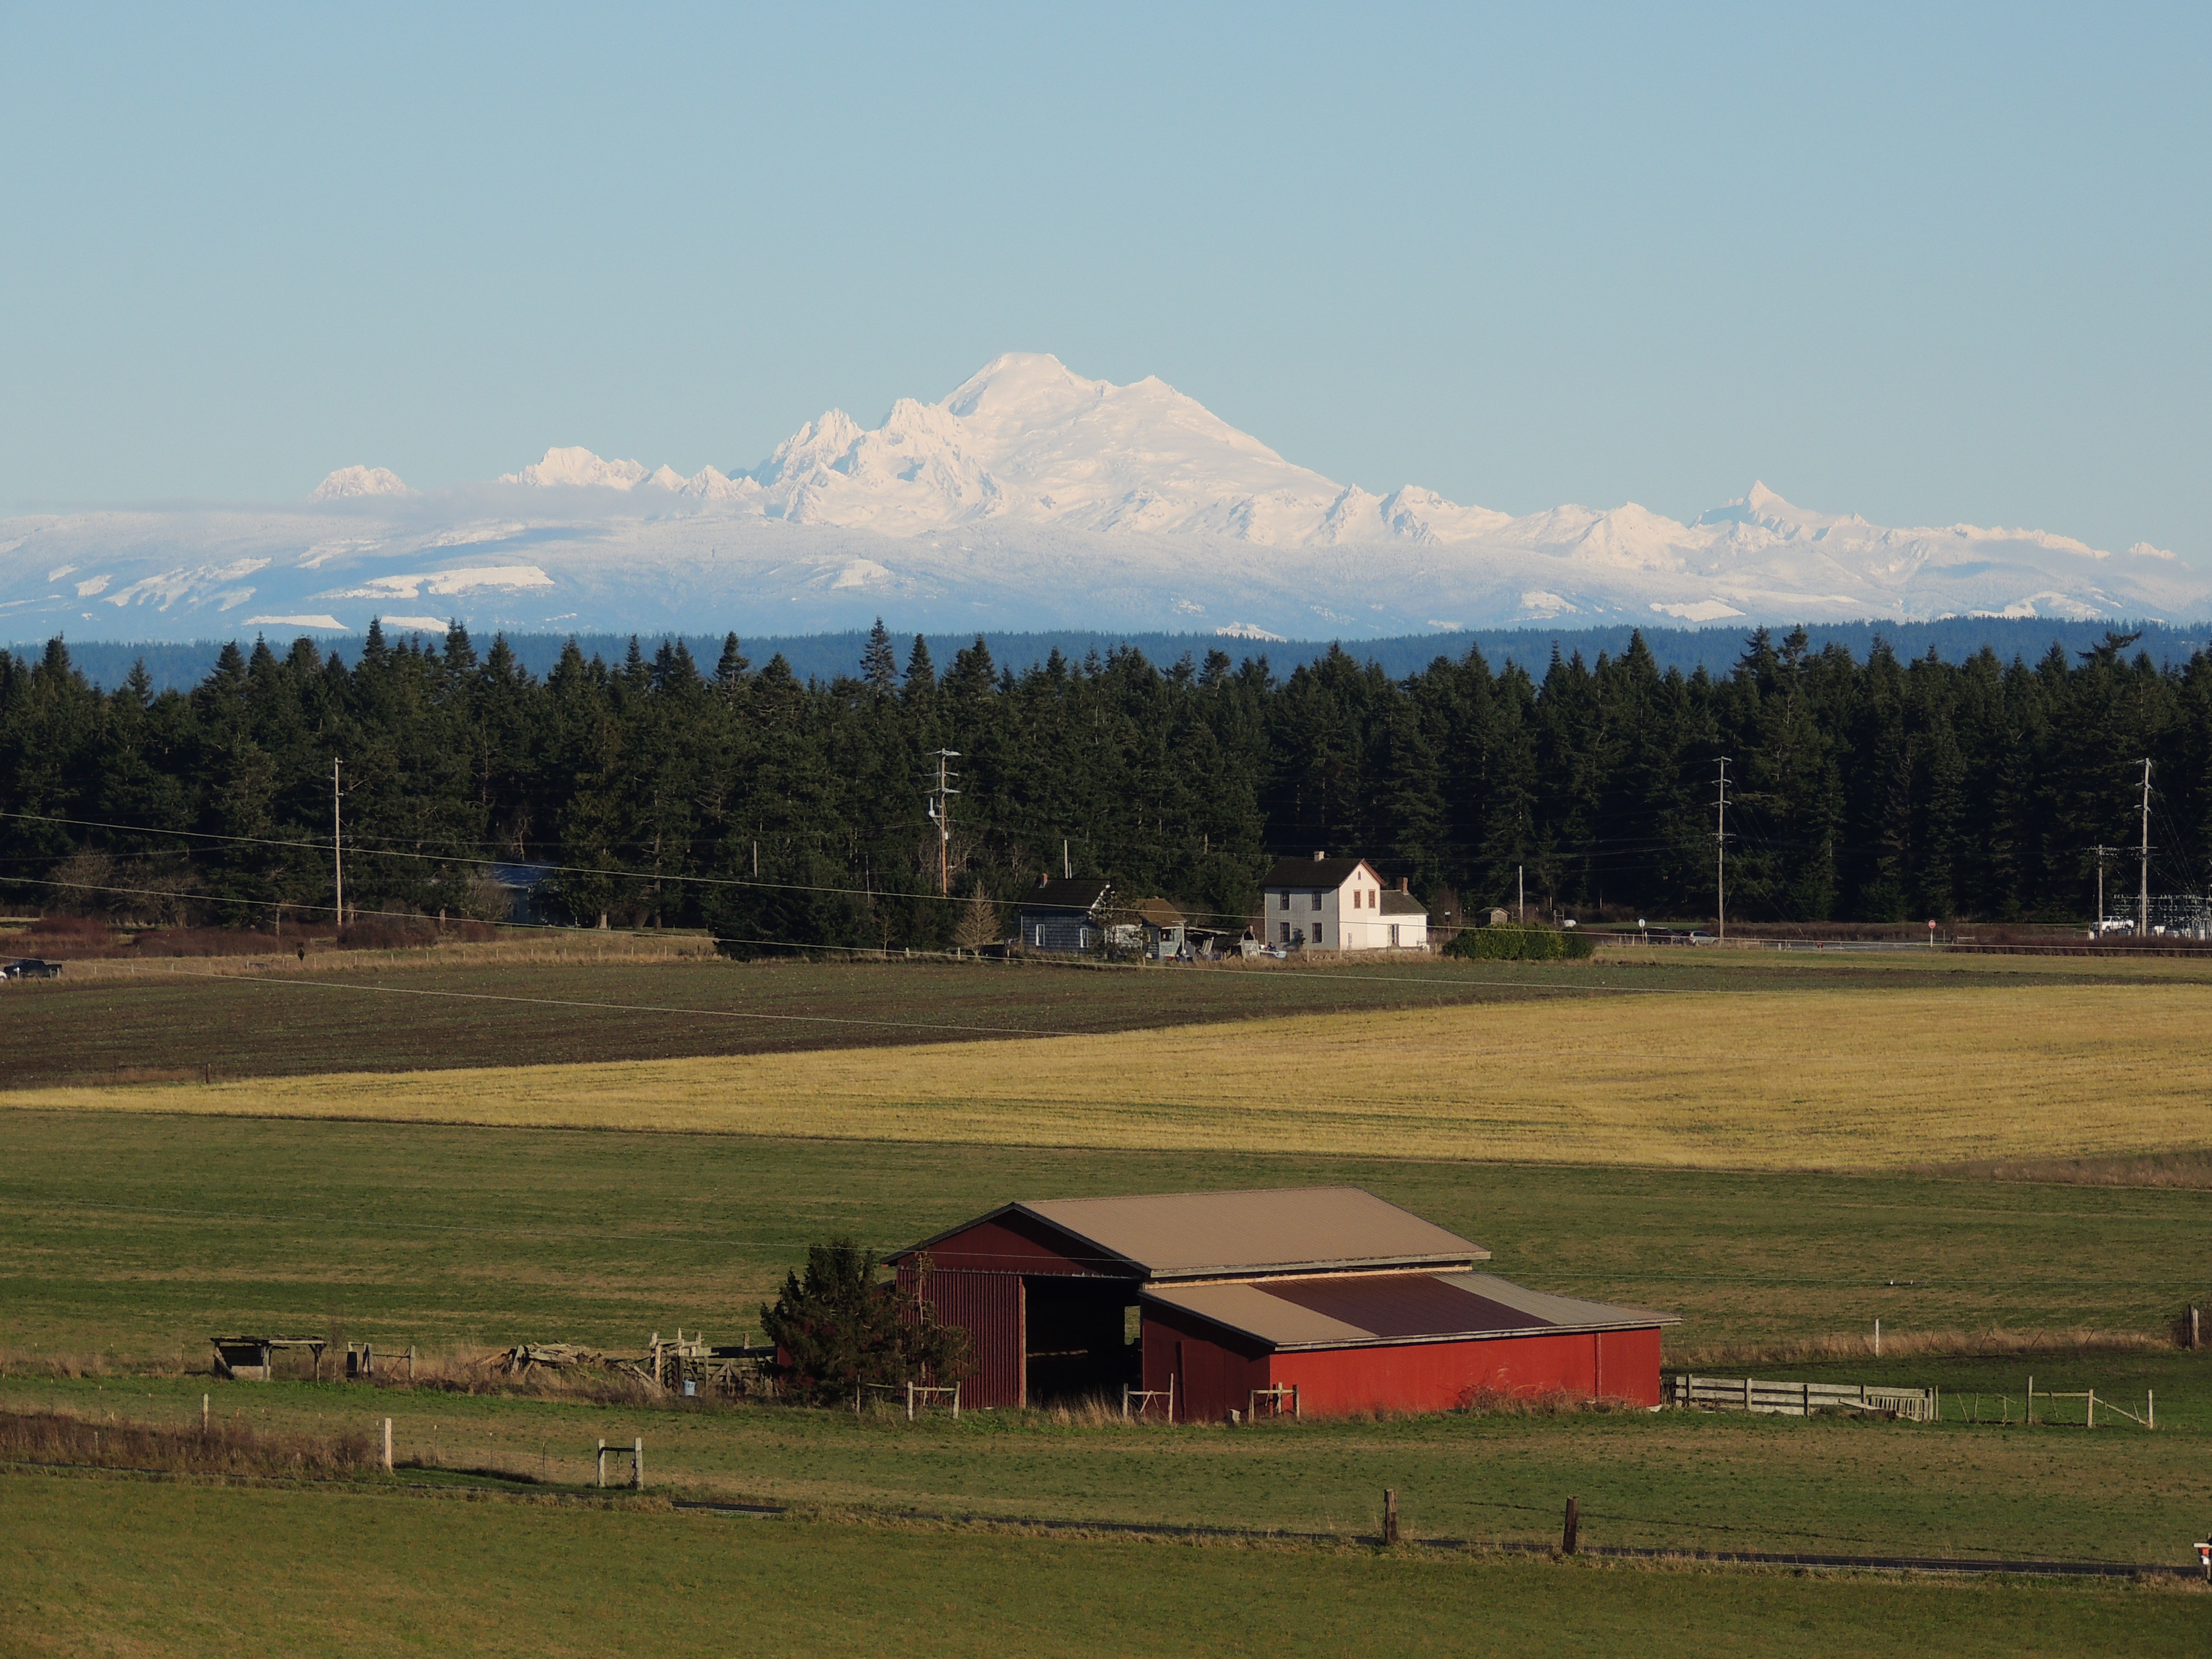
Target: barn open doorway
{"type": "Point", "coordinates": [1078, 1339]}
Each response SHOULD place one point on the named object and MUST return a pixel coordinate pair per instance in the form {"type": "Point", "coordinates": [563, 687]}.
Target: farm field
{"type": "Point", "coordinates": [109, 1565]}
{"type": "Point", "coordinates": [1671, 1481]}
{"type": "Point", "coordinates": [139, 1234]}
{"type": "Point", "coordinates": [570, 999]}
{"type": "Point", "coordinates": [1782, 1078]}
{"type": "Point", "coordinates": [1756, 1142]}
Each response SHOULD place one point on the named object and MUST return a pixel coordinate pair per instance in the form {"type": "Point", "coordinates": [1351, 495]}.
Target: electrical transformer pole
{"type": "Point", "coordinates": [338, 852]}
{"type": "Point", "coordinates": [2143, 896]}
{"type": "Point", "coordinates": [940, 810]}
{"type": "Point", "coordinates": [1720, 854]}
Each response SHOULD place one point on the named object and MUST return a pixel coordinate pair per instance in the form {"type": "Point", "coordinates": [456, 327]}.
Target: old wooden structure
{"type": "Point", "coordinates": [252, 1358]}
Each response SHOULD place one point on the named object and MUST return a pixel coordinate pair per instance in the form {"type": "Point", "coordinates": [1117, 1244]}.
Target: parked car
{"type": "Point", "coordinates": [30, 968]}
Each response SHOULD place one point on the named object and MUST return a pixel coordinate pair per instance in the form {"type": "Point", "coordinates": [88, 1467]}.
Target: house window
{"type": "Point", "coordinates": [1285, 935]}
{"type": "Point", "coordinates": [1321, 934]}
{"type": "Point", "coordinates": [1316, 900]}
{"type": "Point", "coordinates": [1394, 935]}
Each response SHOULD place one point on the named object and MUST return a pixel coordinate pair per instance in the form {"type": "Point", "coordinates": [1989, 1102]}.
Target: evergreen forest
{"type": "Point", "coordinates": [663, 791]}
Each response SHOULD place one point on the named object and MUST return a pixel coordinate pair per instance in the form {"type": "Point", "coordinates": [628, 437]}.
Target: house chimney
{"type": "Point", "coordinates": [1401, 885]}
{"type": "Point", "coordinates": [1319, 855]}
{"type": "Point", "coordinates": [1044, 877]}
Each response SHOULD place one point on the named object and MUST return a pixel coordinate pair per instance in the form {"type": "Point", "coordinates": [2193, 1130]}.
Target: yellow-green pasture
{"type": "Point", "coordinates": [1787, 1079]}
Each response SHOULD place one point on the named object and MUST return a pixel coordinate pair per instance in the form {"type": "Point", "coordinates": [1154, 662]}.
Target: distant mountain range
{"type": "Point", "coordinates": [1029, 498]}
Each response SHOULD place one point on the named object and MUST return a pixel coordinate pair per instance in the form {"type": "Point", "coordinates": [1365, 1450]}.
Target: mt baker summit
{"type": "Point", "coordinates": [1030, 497]}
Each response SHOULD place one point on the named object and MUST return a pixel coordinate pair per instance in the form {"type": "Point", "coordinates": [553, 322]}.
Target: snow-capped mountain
{"type": "Point", "coordinates": [1028, 497]}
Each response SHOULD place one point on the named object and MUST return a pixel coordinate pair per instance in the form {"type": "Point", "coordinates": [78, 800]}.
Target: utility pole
{"type": "Point", "coordinates": [940, 810]}
{"type": "Point", "coordinates": [337, 851]}
{"type": "Point", "coordinates": [2143, 897]}
{"type": "Point", "coordinates": [1720, 854]}
{"type": "Point", "coordinates": [1067, 867]}
{"type": "Point", "coordinates": [1520, 894]}
{"type": "Point", "coordinates": [2103, 852]}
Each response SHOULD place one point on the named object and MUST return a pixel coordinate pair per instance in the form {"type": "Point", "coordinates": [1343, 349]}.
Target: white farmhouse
{"type": "Point", "coordinates": [1323, 903]}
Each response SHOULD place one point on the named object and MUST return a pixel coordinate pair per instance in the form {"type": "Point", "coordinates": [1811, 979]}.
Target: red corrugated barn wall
{"type": "Point", "coordinates": [1218, 1371]}
{"type": "Point", "coordinates": [989, 1308]}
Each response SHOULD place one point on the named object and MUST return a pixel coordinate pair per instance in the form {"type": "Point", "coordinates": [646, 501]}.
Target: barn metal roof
{"type": "Point", "coordinates": [1372, 1310]}
{"type": "Point", "coordinates": [1285, 1230]}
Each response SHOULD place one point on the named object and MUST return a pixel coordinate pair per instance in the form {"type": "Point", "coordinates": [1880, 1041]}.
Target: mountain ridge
{"type": "Point", "coordinates": [1031, 496]}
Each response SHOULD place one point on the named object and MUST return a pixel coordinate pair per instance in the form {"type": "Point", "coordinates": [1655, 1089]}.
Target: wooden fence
{"type": "Point", "coordinates": [1747, 1393]}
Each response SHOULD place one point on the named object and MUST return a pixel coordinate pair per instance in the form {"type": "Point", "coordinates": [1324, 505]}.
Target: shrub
{"type": "Point", "coordinates": [1522, 944]}
{"type": "Point", "coordinates": [409, 933]}
{"type": "Point", "coordinates": [839, 1329]}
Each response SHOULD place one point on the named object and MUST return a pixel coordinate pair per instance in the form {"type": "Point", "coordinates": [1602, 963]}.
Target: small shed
{"type": "Point", "coordinates": [1218, 1297]}
{"type": "Point", "coordinates": [1066, 915]}
{"type": "Point", "coordinates": [1165, 931]}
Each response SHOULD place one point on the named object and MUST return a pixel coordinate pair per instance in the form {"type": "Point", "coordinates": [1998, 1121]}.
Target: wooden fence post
{"type": "Point", "coordinates": [637, 1464]}
{"type": "Point", "coordinates": [909, 1401]}
{"type": "Point", "coordinates": [600, 1467]}
{"type": "Point", "coordinates": [2193, 1327]}
{"type": "Point", "coordinates": [1570, 1527]}
{"type": "Point", "coordinates": [1390, 1515]}
{"type": "Point", "coordinates": [387, 1445]}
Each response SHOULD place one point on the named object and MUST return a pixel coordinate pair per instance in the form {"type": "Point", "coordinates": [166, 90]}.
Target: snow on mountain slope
{"type": "Point", "coordinates": [1026, 440]}
{"type": "Point", "coordinates": [577, 468]}
{"type": "Point", "coordinates": [1028, 497]}
{"type": "Point", "coordinates": [359, 480]}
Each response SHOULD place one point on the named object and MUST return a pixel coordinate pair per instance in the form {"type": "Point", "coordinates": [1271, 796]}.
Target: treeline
{"type": "Point", "coordinates": [667, 790]}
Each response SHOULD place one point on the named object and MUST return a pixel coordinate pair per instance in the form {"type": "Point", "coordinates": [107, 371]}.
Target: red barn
{"type": "Point", "coordinates": [1215, 1297]}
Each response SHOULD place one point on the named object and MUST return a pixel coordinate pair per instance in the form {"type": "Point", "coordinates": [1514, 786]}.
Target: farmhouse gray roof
{"type": "Point", "coordinates": [1285, 1230]}
{"type": "Point", "coordinates": [1313, 873]}
{"type": "Point", "coordinates": [1080, 895]}
{"type": "Point", "coordinates": [1396, 903]}
{"type": "Point", "coordinates": [1365, 1309]}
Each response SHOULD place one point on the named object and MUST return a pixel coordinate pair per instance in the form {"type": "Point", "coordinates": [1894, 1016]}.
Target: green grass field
{"type": "Point", "coordinates": [106, 1566]}
{"type": "Point", "coordinates": [143, 1234]}
{"type": "Point", "coordinates": [1669, 1480]}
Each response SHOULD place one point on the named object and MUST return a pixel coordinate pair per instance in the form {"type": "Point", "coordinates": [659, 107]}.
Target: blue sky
{"type": "Point", "coordinates": [1925, 264]}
